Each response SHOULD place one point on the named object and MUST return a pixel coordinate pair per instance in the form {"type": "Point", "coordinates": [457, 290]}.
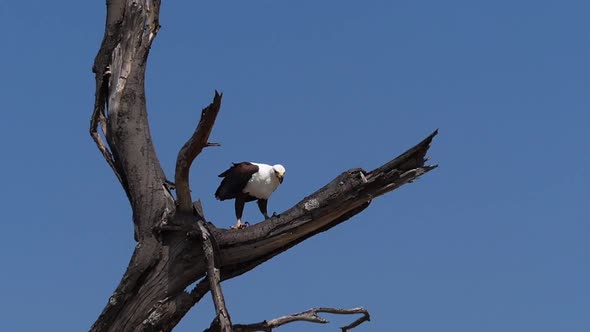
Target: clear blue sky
{"type": "Point", "coordinates": [496, 239]}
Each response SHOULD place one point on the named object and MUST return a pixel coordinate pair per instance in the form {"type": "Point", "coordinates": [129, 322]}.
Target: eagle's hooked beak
{"type": "Point", "coordinates": [280, 177]}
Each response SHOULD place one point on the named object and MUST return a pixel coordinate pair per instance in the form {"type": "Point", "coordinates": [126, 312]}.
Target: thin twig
{"type": "Point", "coordinates": [310, 315]}
{"type": "Point", "coordinates": [213, 276]}
{"type": "Point", "coordinates": [366, 317]}
{"type": "Point", "coordinates": [191, 149]}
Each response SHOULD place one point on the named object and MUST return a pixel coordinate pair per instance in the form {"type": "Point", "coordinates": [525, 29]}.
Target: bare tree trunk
{"type": "Point", "coordinates": [176, 246]}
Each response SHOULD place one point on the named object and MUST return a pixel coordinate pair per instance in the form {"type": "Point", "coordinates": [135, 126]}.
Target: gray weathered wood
{"type": "Point", "coordinates": [170, 255]}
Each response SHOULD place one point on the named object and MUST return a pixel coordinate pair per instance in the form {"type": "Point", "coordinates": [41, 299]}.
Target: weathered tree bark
{"type": "Point", "coordinates": [176, 246]}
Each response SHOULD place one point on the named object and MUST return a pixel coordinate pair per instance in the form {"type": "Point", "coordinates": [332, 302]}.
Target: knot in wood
{"type": "Point", "coordinates": [311, 204]}
{"type": "Point", "coordinates": [153, 318]}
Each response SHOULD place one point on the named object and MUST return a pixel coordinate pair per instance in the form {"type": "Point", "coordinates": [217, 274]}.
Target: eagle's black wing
{"type": "Point", "coordinates": [234, 180]}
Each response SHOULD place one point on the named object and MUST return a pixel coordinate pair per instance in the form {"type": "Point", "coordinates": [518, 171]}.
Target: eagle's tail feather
{"type": "Point", "coordinates": [221, 192]}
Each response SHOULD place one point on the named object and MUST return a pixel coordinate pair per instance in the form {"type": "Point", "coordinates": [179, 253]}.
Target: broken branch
{"type": "Point", "coordinates": [310, 315]}
{"type": "Point", "coordinates": [347, 195]}
{"type": "Point", "coordinates": [191, 149]}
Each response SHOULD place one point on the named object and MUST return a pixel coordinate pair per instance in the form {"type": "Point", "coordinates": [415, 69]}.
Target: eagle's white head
{"type": "Point", "coordinates": [279, 172]}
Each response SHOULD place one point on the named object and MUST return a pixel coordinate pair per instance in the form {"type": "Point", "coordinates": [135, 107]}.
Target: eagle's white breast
{"type": "Point", "coordinates": [263, 183]}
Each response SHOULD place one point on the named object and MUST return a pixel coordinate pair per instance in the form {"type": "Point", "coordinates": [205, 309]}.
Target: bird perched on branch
{"type": "Point", "coordinates": [246, 182]}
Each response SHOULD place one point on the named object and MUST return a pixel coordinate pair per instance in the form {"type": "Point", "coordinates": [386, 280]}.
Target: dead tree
{"type": "Point", "coordinates": [175, 245]}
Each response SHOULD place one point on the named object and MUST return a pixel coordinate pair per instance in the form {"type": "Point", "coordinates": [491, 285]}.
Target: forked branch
{"type": "Point", "coordinates": [310, 315]}
{"type": "Point", "coordinates": [187, 154]}
{"type": "Point", "coordinates": [191, 149]}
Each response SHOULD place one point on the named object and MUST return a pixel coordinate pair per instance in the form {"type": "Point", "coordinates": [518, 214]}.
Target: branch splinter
{"type": "Point", "coordinates": [191, 149]}
{"type": "Point", "coordinates": [98, 120]}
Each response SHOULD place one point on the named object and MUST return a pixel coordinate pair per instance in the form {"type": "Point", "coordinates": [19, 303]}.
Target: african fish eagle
{"type": "Point", "coordinates": [246, 182]}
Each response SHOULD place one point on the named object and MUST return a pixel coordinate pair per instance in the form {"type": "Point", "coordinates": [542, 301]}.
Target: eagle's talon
{"type": "Point", "coordinates": [241, 225]}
